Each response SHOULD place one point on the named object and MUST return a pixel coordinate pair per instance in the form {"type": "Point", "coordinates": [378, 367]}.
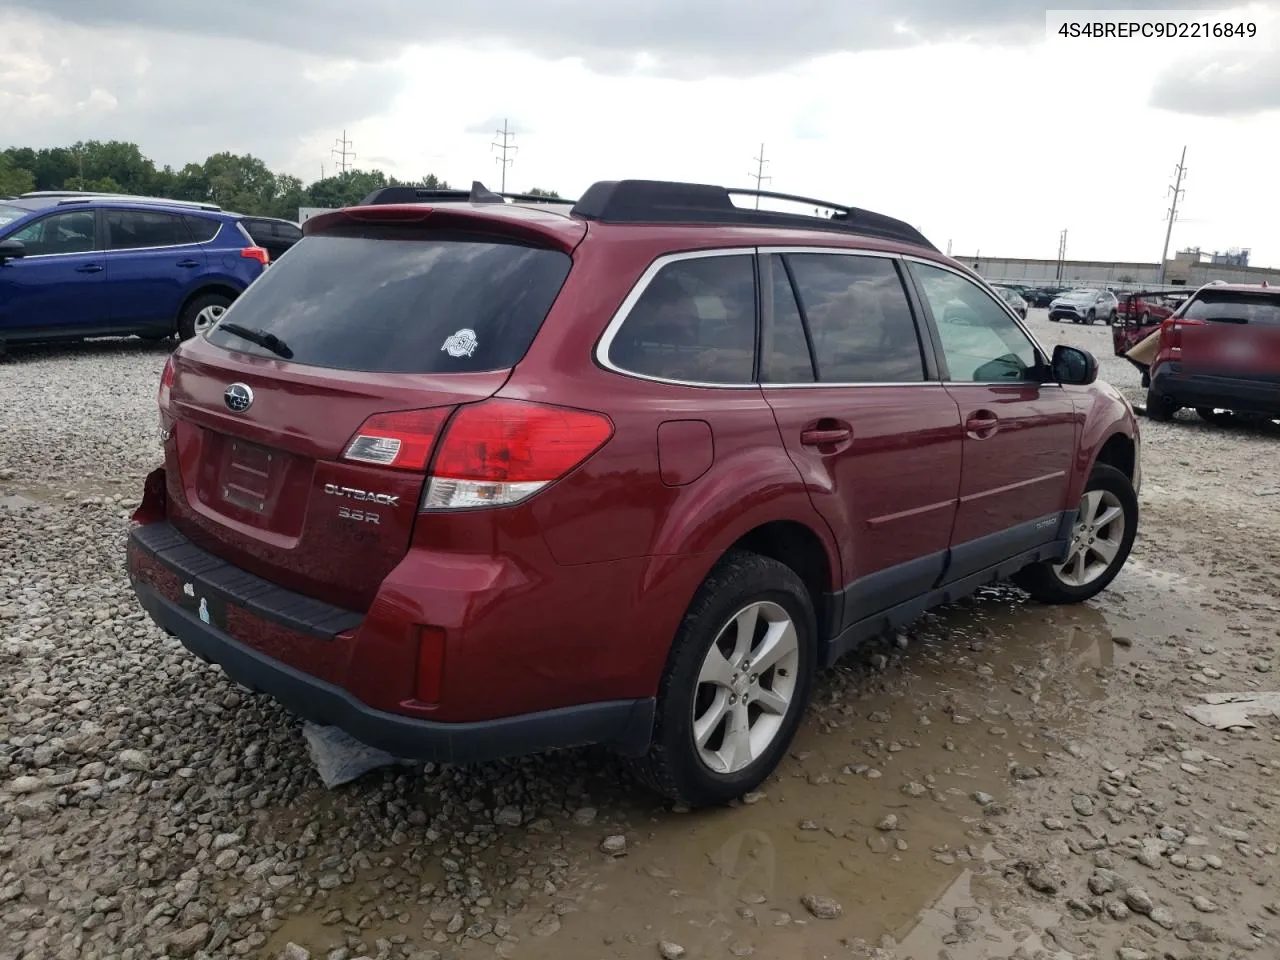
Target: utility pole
{"type": "Point", "coordinates": [1062, 254]}
{"type": "Point", "coordinates": [343, 153]}
{"type": "Point", "coordinates": [1176, 190]}
{"type": "Point", "coordinates": [948, 248]}
{"type": "Point", "coordinates": [504, 146]}
{"type": "Point", "coordinates": [759, 175]}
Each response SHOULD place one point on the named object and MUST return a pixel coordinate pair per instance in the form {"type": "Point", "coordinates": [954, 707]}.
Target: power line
{"type": "Point", "coordinates": [505, 146]}
{"type": "Point", "coordinates": [343, 153]}
{"type": "Point", "coordinates": [1176, 190]}
{"type": "Point", "coordinates": [759, 175]}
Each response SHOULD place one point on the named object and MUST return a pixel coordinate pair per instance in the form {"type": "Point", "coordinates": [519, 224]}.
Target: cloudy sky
{"type": "Point", "coordinates": [961, 116]}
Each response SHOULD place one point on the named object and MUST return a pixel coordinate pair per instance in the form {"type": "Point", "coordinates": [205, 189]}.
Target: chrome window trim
{"type": "Point", "coordinates": [1017, 322]}
{"type": "Point", "coordinates": [620, 315]}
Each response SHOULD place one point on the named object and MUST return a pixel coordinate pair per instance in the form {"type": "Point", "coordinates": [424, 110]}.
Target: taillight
{"type": "Point", "coordinates": [256, 253]}
{"type": "Point", "coordinates": [400, 440]}
{"type": "Point", "coordinates": [167, 377]}
{"type": "Point", "coordinates": [1171, 332]}
{"type": "Point", "coordinates": [499, 452]}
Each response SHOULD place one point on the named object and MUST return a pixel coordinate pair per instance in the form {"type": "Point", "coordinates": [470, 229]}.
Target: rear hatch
{"type": "Point", "coordinates": [302, 424]}
{"type": "Point", "coordinates": [1232, 333]}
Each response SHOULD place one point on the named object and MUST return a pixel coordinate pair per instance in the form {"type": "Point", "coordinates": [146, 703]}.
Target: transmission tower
{"type": "Point", "coordinates": [759, 176]}
{"type": "Point", "coordinates": [505, 145]}
{"type": "Point", "coordinates": [1175, 189]}
{"type": "Point", "coordinates": [343, 153]}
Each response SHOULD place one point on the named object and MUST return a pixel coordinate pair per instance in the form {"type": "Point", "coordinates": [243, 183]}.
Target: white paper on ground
{"type": "Point", "coordinates": [339, 758]}
{"type": "Point", "coordinates": [1222, 711]}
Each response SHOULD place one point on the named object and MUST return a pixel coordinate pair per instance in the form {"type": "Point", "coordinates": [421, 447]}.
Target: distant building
{"type": "Point", "coordinates": [1188, 268]}
{"type": "Point", "coordinates": [306, 213]}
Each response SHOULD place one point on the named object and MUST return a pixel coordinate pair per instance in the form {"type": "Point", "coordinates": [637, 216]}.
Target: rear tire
{"type": "Point", "coordinates": [202, 313]}
{"type": "Point", "coordinates": [694, 756]}
{"type": "Point", "coordinates": [1102, 538]}
{"type": "Point", "coordinates": [1219, 418]}
{"type": "Point", "coordinates": [1159, 407]}
{"type": "Point", "coordinates": [1091, 318]}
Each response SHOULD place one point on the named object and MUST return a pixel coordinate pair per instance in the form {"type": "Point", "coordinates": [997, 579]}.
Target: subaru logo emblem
{"type": "Point", "coordinates": [238, 397]}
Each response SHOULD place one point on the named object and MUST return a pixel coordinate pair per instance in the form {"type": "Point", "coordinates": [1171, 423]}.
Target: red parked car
{"type": "Point", "coordinates": [1219, 353]}
{"type": "Point", "coordinates": [470, 478]}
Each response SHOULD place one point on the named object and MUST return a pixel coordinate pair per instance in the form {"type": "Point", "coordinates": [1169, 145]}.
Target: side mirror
{"type": "Point", "coordinates": [1071, 365]}
{"type": "Point", "coordinates": [11, 250]}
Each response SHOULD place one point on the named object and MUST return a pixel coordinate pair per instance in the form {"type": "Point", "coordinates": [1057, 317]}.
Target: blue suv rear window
{"type": "Point", "coordinates": [398, 302]}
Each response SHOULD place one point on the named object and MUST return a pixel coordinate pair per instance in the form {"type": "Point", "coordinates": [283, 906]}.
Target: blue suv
{"type": "Point", "coordinates": [74, 265]}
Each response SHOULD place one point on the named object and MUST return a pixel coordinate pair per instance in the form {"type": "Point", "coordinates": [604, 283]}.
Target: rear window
{"type": "Point", "coordinates": [202, 228]}
{"type": "Point", "coordinates": [383, 302]}
{"type": "Point", "coordinates": [1235, 306]}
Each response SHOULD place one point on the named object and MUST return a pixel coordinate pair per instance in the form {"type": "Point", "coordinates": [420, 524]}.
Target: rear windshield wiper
{"type": "Point", "coordinates": [260, 337]}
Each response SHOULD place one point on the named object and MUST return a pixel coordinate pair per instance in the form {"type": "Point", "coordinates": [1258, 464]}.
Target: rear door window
{"type": "Point", "coordinates": [859, 318]}
{"type": "Point", "coordinates": [389, 301]}
{"type": "Point", "coordinates": [142, 229]}
{"type": "Point", "coordinates": [203, 229]}
{"type": "Point", "coordinates": [694, 323]}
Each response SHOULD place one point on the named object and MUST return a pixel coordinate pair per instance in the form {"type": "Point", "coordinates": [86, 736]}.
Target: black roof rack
{"type": "Point", "coordinates": [660, 201]}
{"type": "Point", "coordinates": [478, 193]}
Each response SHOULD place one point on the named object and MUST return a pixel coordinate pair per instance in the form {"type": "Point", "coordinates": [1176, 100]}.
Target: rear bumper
{"type": "Point", "coordinates": [220, 594]}
{"type": "Point", "coordinates": [1238, 394]}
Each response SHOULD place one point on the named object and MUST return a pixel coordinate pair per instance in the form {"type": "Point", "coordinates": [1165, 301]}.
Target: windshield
{"type": "Point", "coordinates": [1235, 306]}
{"type": "Point", "coordinates": [10, 213]}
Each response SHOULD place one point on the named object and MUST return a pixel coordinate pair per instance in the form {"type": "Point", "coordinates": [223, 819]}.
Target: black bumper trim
{"type": "Point", "coordinates": [1241, 394]}
{"type": "Point", "coordinates": [260, 597]}
{"type": "Point", "coordinates": [623, 724]}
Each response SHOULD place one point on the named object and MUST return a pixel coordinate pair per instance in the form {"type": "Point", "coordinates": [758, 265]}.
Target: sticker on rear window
{"type": "Point", "coordinates": [461, 344]}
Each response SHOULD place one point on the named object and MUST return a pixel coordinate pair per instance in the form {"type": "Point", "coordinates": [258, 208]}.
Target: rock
{"type": "Point", "coordinates": [292, 951]}
{"type": "Point", "coordinates": [1164, 917]}
{"type": "Point", "coordinates": [1022, 771]}
{"type": "Point", "coordinates": [508, 817]}
{"type": "Point", "coordinates": [134, 760]}
{"type": "Point", "coordinates": [1118, 911]}
{"type": "Point", "coordinates": [1045, 878]}
{"type": "Point", "coordinates": [670, 951]}
{"type": "Point", "coordinates": [1193, 931]}
{"type": "Point", "coordinates": [187, 942]}
{"type": "Point", "coordinates": [1204, 904]}
{"type": "Point", "coordinates": [584, 816]}
{"type": "Point", "coordinates": [1129, 953]}
{"type": "Point", "coordinates": [983, 799]}
{"type": "Point", "coordinates": [1104, 881]}
{"type": "Point", "coordinates": [879, 716]}
{"type": "Point", "coordinates": [1083, 805]}
{"type": "Point", "coordinates": [547, 926]}
{"type": "Point", "coordinates": [1053, 823]}
{"type": "Point", "coordinates": [25, 785]}
{"type": "Point", "coordinates": [823, 908]}
{"type": "Point", "coordinates": [914, 789]}
{"type": "Point", "coordinates": [614, 846]}
{"type": "Point", "coordinates": [1139, 901]}
{"type": "Point", "coordinates": [887, 823]}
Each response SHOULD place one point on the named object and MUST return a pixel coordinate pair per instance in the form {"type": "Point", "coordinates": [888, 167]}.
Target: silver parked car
{"type": "Point", "coordinates": [1085, 305]}
{"type": "Point", "coordinates": [1014, 299]}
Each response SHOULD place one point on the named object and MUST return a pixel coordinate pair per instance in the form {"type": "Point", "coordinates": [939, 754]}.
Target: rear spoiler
{"type": "Point", "coordinates": [478, 193]}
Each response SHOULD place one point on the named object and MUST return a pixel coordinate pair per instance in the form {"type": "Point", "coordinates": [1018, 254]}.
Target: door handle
{"type": "Point", "coordinates": [982, 425]}
{"type": "Point", "coordinates": [820, 436]}
{"type": "Point", "coordinates": [188, 263]}
{"type": "Point", "coordinates": [90, 268]}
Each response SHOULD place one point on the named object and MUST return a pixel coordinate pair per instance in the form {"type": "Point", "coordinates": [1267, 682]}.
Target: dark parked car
{"type": "Point", "coordinates": [1219, 353]}
{"type": "Point", "coordinates": [470, 478]}
{"type": "Point", "coordinates": [74, 265]}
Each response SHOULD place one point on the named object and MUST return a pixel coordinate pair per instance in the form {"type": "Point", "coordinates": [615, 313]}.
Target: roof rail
{"type": "Point", "coordinates": [478, 193]}
{"type": "Point", "coordinates": [660, 201]}
{"type": "Point", "coordinates": [86, 196]}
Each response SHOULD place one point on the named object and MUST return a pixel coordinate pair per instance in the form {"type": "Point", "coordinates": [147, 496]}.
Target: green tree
{"type": "Point", "coordinates": [14, 179]}
{"type": "Point", "coordinates": [539, 192]}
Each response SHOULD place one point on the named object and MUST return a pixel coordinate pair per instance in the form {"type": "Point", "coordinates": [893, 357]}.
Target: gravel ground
{"type": "Point", "coordinates": [1003, 780]}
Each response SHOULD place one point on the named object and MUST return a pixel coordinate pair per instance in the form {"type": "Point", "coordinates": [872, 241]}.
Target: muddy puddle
{"type": "Point", "coordinates": [907, 757]}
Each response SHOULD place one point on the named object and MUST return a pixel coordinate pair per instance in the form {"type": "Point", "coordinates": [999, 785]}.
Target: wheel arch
{"type": "Point", "coordinates": [215, 286]}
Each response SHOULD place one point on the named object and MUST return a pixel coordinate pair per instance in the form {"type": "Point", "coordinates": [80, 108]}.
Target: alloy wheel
{"type": "Point", "coordinates": [1096, 538]}
{"type": "Point", "coordinates": [208, 317]}
{"type": "Point", "coordinates": [746, 687]}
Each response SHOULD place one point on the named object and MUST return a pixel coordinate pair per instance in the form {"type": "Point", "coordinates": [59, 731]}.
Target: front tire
{"type": "Point", "coordinates": [736, 684]}
{"type": "Point", "coordinates": [1091, 318]}
{"type": "Point", "coordinates": [201, 314]}
{"type": "Point", "coordinates": [1101, 540]}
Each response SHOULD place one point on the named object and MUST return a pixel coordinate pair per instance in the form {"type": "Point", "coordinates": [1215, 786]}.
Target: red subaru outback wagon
{"type": "Point", "coordinates": [470, 477]}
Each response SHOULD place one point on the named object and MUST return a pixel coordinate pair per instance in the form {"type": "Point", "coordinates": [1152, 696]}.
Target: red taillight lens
{"type": "Point", "coordinates": [256, 253]}
{"type": "Point", "coordinates": [1171, 332]}
{"type": "Point", "coordinates": [499, 452]}
{"type": "Point", "coordinates": [400, 440]}
{"type": "Point", "coordinates": [167, 377]}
